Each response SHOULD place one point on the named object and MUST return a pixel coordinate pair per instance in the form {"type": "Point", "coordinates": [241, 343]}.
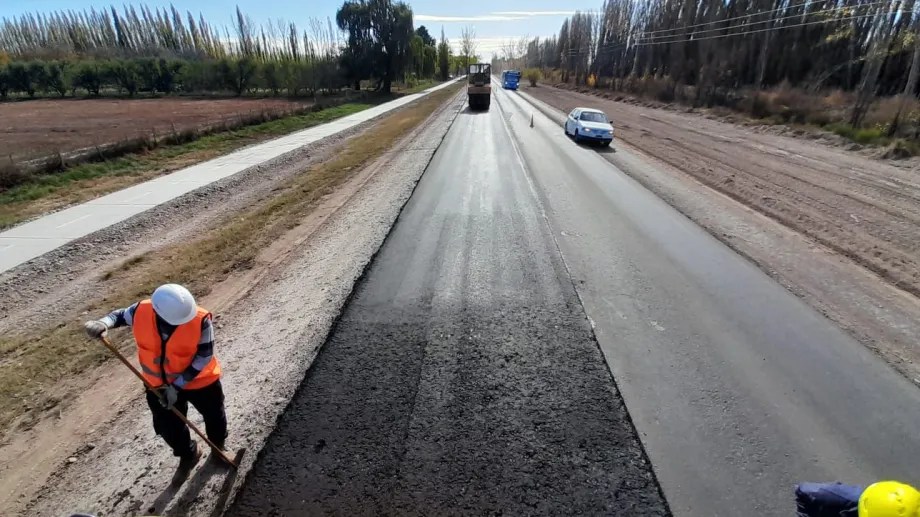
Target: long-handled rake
{"type": "Point", "coordinates": [217, 450]}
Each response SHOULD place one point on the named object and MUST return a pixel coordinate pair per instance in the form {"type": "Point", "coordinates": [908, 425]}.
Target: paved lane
{"type": "Point", "coordinates": [463, 377]}
{"type": "Point", "coordinates": [33, 239]}
{"type": "Point", "coordinates": [738, 388]}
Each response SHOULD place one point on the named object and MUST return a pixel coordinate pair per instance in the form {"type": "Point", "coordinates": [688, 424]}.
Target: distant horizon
{"type": "Point", "coordinates": [496, 22]}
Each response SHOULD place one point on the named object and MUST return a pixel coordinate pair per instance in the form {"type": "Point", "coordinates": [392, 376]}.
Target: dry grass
{"type": "Point", "coordinates": [34, 368]}
{"type": "Point", "coordinates": [82, 190]}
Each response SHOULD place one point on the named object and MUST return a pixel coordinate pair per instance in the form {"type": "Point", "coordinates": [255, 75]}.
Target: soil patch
{"type": "Point", "coordinates": [41, 127]}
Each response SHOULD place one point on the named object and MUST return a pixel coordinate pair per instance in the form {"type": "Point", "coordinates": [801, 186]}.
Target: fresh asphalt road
{"type": "Point", "coordinates": [738, 389]}
{"type": "Point", "coordinates": [461, 377]}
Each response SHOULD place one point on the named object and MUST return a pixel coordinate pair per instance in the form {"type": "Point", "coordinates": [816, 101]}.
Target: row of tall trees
{"type": "Point", "coordinates": [139, 49]}
{"type": "Point", "coordinates": [867, 46]}
{"type": "Point", "coordinates": [237, 75]}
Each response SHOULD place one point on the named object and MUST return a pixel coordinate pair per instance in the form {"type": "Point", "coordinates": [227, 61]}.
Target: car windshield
{"type": "Point", "coordinates": [593, 117]}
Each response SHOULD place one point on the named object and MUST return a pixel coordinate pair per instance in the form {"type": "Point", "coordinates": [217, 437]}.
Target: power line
{"type": "Point", "coordinates": [650, 41]}
{"type": "Point", "coordinates": [818, 22]}
{"type": "Point", "coordinates": [796, 6]}
{"type": "Point", "coordinates": [771, 20]}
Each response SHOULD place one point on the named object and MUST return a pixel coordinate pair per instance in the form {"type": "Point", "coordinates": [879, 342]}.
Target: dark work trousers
{"type": "Point", "coordinates": [209, 401]}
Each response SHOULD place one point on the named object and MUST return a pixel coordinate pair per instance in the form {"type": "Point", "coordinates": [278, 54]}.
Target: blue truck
{"type": "Point", "coordinates": [510, 79]}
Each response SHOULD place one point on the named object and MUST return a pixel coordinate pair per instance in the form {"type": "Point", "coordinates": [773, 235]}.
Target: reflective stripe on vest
{"type": "Point", "coordinates": [180, 349]}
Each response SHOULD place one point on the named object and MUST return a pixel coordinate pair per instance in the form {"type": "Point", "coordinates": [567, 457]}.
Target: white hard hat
{"type": "Point", "coordinates": [174, 303]}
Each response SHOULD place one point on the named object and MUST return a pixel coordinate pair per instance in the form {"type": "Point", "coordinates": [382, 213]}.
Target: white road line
{"type": "Point", "coordinates": [139, 196]}
{"type": "Point", "coordinates": [73, 221]}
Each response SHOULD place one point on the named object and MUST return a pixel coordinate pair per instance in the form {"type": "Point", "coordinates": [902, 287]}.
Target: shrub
{"type": "Point", "coordinates": [819, 118]}
{"type": "Point", "coordinates": [872, 135]}
{"type": "Point", "coordinates": [38, 77]}
{"type": "Point", "coordinates": [125, 74]}
{"type": "Point", "coordinates": [236, 74]}
{"type": "Point", "coordinates": [792, 104]}
{"type": "Point", "coordinates": [839, 99]}
{"type": "Point", "coordinates": [90, 76]}
{"type": "Point", "coordinates": [842, 129]}
{"type": "Point", "coordinates": [272, 77]}
{"type": "Point", "coordinates": [11, 175]}
{"type": "Point", "coordinates": [866, 136]}
{"type": "Point", "coordinates": [533, 75]}
{"type": "Point", "coordinates": [147, 73]}
{"type": "Point", "coordinates": [760, 105]}
{"type": "Point", "coordinates": [57, 79]}
{"type": "Point", "coordinates": [665, 89]}
{"type": "Point", "coordinates": [167, 73]}
{"type": "Point", "coordinates": [5, 83]}
{"type": "Point", "coordinates": [901, 149]}
{"type": "Point", "coordinates": [411, 81]}
{"type": "Point", "coordinates": [19, 78]}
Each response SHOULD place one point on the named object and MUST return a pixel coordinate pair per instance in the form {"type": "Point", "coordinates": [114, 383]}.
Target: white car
{"type": "Point", "coordinates": [589, 125]}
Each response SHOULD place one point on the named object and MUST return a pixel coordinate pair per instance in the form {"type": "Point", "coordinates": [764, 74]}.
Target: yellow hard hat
{"type": "Point", "coordinates": [889, 499]}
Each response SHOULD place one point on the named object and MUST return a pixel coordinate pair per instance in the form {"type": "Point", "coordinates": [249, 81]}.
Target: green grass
{"type": "Point", "coordinates": [419, 86]}
{"type": "Point", "coordinates": [865, 136]}
{"type": "Point", "coordinates": [15, 202]}
{"type": "Point", "coordinates": [897, 148]}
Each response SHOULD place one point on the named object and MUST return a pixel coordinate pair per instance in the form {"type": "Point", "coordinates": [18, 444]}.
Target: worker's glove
{"type": "Point", "coordinates": [168, 396]}
{"type": "Point", "coordinates": [95, 329]}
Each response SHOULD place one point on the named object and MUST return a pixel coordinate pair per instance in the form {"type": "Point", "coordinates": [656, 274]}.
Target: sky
{"type": "Point", "coordinates": [495, 22]}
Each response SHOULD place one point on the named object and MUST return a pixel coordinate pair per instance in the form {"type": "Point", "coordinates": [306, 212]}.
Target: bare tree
{"type": "Point", "coordinates": [468, 45]}
{"type": "Point", "coordinates": [910, 88]}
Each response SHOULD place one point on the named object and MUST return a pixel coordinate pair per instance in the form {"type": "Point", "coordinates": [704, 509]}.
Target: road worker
{"type": "Point", "coordinates": [882, 499]}
{"type": "Point", "coordinates": [175, 348]}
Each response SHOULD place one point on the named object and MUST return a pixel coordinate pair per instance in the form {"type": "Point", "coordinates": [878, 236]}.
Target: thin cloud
{"type": "Point", "coordinates": [485, 47]}
{"type": "Point", "coordinates": [498, 16]}
{"type": "Point", "coordinates": [534, 13]}
{"type": "Point", "coordinates": [482, 18]}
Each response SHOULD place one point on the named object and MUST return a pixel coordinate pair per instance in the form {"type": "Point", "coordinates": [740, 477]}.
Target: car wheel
{"type": "Point", "coordinates": [576, 136]}
{"type": "Point", "coordinates": [606, 144]}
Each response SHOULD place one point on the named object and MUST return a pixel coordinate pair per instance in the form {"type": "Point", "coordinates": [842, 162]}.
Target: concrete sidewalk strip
{"type": "Point", "coordinates": [33, 239]}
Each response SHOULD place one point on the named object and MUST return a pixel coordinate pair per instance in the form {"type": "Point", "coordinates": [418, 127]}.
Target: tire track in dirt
{"type": "Point", "coordinates": [905, 202]}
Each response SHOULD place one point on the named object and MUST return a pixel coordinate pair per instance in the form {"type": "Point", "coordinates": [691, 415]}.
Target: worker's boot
{"type": "Point", "coordinates": [215, 458]}
{"type": "Point", "coordinates": [187, 463]}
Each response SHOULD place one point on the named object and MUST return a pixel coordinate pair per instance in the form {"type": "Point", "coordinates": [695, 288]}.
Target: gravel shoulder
{"type": "Point", "coordinates": [835, 228]}
{"type": "Point", "coordinates": [100, 453]}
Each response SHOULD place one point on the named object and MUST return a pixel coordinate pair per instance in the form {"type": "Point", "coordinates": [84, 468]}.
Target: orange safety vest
{"type": "Point", "coordinates": [176, 354]}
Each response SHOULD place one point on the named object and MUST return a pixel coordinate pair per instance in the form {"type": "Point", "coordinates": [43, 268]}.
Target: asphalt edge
{"type": "Point", "coordinates": [557, 115]}
{"type": "Point", "coordinates": [230, 501]}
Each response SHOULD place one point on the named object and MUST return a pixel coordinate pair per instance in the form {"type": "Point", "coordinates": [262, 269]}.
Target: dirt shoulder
{"type": "Point", "coordinates": [870, 143]}
{"type": "Point", "coordinates": [836, 228]}
{"type": "Point", "coordinates": [97, 451]}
